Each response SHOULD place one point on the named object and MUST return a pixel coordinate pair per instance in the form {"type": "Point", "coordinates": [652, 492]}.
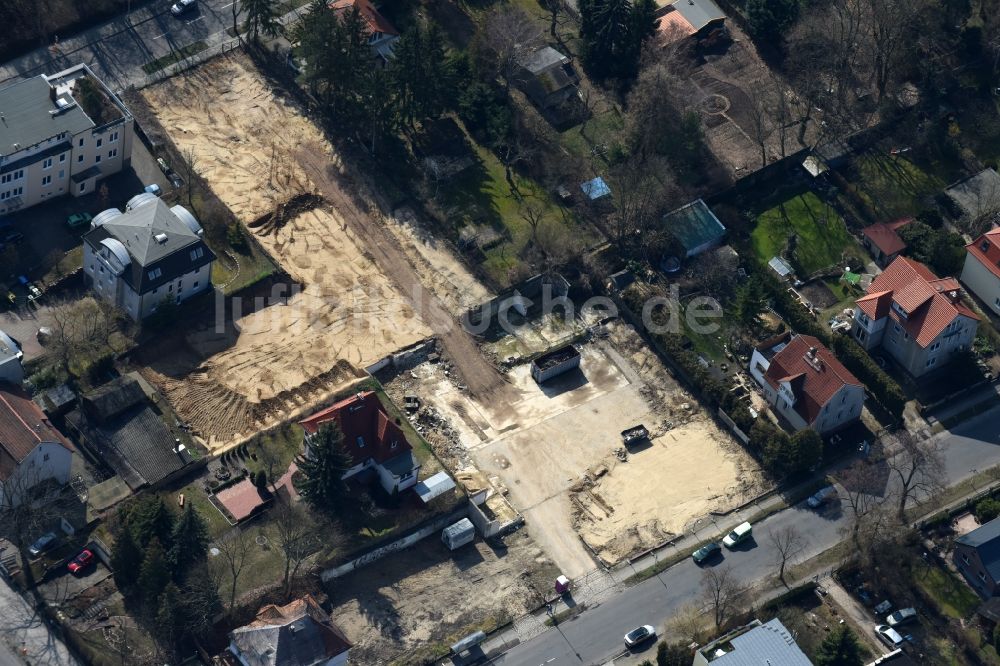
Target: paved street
{"type": "Point", "coordinates": [595, 636]}
{"type": "Point", "coordinates": [117, 49]}
{"type": "Point", "coordinates": [25, 634]}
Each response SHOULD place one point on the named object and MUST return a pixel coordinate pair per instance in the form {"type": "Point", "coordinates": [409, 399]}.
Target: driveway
{"type": "Point", "coordinates": [67, 585]}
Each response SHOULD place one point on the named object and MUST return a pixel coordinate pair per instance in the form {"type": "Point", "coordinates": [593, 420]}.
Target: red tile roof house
{"type": "Point", "coordinates": [297, 634]}
{"type": "Point", "coordinates": [981, 273]}
{"type": "Point", "coordinates": [372, 438]}
{"type": "Point", "coordinates": [31, 449]}
{"type": "Point", "coordinates": [915, 316]}
{"type": "Point", "coordinates": [382, 35]}
{"type": "Point", "coordinates": [883, 241]}
{"type": "Point", "coordinates": [805, 383]}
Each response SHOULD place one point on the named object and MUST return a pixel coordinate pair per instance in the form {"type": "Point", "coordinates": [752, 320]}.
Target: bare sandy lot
{"type": "Point", "coordinates": [552, 450]}
{"type": "Point", "coordinates": [241, 135]}
{"type": "Point", "coordinates": [426, 595]}
{"type": "Point", "coordinates": [344, 313]}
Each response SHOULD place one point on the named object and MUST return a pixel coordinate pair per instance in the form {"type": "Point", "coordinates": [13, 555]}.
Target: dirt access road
{"type": "Point", "coordinates": [479, 376]}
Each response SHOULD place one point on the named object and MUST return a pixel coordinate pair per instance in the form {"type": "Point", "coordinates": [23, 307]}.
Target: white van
{"type": "Point", "coordinates": [740, 533]}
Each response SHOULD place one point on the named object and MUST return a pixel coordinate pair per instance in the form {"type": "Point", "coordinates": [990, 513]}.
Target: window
{"type": "Point", "coordinates": [197, 253]}
{"type": "Point", "coordinates": [361, 442]}
{"type": "Point", "coordinates": [155, 273]}
{"type": "Point", "coordinates": [81, 142]}
{"type": "Point", "coordinates": [83, 187]}
{"type": "Point", "coordinates": [97, 158]}
{"type": "Point", "coordinates": [931, 362]}
{"type": "Point", "coordinates": [155, 289]}
{"type": "Point", "coordinates": [935, 346]}
{"type": "Point", "coordinates": [965, 558]}
{"type": "Point", "coordinates": [47, 163]}
{"type": "Point", "coordinates": [896, 328]}
{"type": "Point", "coordinates": [113, 137]}
{"type": "Point", "coordinates": [79, 159]}
{"type": "Point", "coordinates": [195, 284]}
{"type": "Point", "coordinates": [62, 174]}
{"type": "Point", "coordinates": [997, 302]}
{"type": "Point", "coordinates": [100, 141]}
{"type": "Point", "coordinates": [112, 153]}
{"type": "Point", "coordinates": [170, 287]}
{"type": "Point", "coordinates": [394, 444]}
{"type": "Point", "coordinates": [46, 180]}
{"type": "Point", "coordinates": [45, 458]}
{"type": "Point", "coordinates": [13, 175]}
{"type": "Point", "coordinates": [985, 246]}
{"type": "Point", "coordinates": [982, 576]}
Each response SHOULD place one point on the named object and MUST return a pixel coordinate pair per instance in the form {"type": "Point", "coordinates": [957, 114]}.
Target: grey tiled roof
{"type": "Point", "coordinates": [26, 121]}
{"type": "Point", "coordinates": [770, 644]}
{"type": "Point", "coordinates": [137, 229]}
{"type": "Point", "coordinates": [986, 541]}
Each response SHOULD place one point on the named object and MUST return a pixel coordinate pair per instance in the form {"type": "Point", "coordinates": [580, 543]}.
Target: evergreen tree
{"type": "Point", "coordinates": [839, 648]}
{"type": "Point", "coordinates": [261, 18]}
{"type": "Point", "coordinates": [149, 517]}
{"type": "Point", "coordinates": [420, 74]}
{"type": "Point", "coordinates": [323, 469]}
{"type": "Point", "coordinates": [768, 20]}
{"type": "Point", "coordinates": [751, 301]}
{"type": "Point", "coordinates": [126, 559]}
{"type": "Point", "coordinates": [154, 574]}
{"type": "Point", "coordinates": [170, 618]}
{"type": "Point", "coordinates": [675, 654]}
{"type": "Point", "coordinates": [190, 540]}
{"type": "Point", "coordinates": [613, 32]}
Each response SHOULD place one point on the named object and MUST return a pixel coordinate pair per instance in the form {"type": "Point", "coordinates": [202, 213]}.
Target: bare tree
{"type": "Point", "coordinates": [532, 213]}
{"type": "Point", "coordinates": [787, 542]}
{"type": "Point", "coordinates": [237, 8]}
{"type": "Point", "coordinates": [759, 112]}
{"type": "Point", "coordinates": [29, 502]}
{"type": "Point", "coordinates": [85, 329]}
{"type": "Point", "coordinates": [890, 25]}
{"type": "Point", "coordinates": [719, 591]}
{"type": "Point", "coordinates": [508, 36]}
{"type": "Point", "coordinates": [864, 484]}
{"type": "Point", "coordinates": [189, 162]}
{"type": "Point", "coordinates": [297, 537]}
{"type": "Point", "coordinates": [234, 548]}
{"type": "Point", "coordinates": [918, 466]}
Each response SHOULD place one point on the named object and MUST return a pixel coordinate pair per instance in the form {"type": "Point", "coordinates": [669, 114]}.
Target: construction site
{"type": "Point", "coordinates": [555, 450]}
{"type": "Point", "coordinates": [363, 285]}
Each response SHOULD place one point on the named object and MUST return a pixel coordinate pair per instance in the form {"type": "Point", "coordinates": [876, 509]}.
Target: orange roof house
{"type": "Point", "coordinates": [981, 273]}
{"type": "Point", "coordinates": [883, 241]}
{"type": "Point", "coordinates": [381, 33]}
{"type": "Point", "coordinates": [372, 438]}
{"type": "Point", "coordinates": [804, 382]}
{"type": "Point", "coordinates": [916, 316]}
{"type": "Point", "coordinates": [31, 449]}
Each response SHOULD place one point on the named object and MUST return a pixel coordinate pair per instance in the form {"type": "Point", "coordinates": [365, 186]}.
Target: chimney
{"type": "Point", "coordinates": [52, 93]}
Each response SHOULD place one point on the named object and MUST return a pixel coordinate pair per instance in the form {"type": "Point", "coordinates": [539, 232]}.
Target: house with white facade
{"type": "Point", "coordinates": [296, 634]}
{"type": "Point", "coordinates": [914, 316]}
{"type": "Point", "coordinates": [60, 134]}
{"type": "Point", "coordinates": [374, 440]}
{"type": "Point", "coordinates": [147, 255]}
{"type": "Point", "coordinates": [805, 383]}
{"type": "Point", "coordinates": [32, 451]}
{"type": "Point", "coordinates": [981, 273]}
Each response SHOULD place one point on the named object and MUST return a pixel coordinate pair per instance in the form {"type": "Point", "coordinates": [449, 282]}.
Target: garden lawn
{"type": "Point", "coordinates": [821, 236]}
{"type": "Point", "coordinates": [955, 598]}
{"type": "Point", "coordinates": [893, 186]}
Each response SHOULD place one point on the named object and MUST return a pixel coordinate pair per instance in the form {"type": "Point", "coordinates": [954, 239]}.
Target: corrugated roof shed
{"type": "Point", "coordinates": [434, 486]}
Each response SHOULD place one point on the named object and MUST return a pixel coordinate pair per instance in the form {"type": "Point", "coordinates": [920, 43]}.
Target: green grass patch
{"type": "Point", "coordinates": [892, 185]}
{"type": "Point", "coordinates": [173, 57]}
{"type": "Point", "coordinates": [194, 494]}
{"type": "Point", "coordinates": [602, 132]}
{"type": "Point", "coordinates": [71, 261]}
{"type": "Point", "coordinates": [282, 443]}
{"type": "Point", "coordinates": [954, 598]}
{"type": "Point", "coordinates": [820, 235]}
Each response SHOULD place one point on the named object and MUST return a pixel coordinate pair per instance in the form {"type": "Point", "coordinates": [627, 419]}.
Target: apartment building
{"type": "Point", "coordinates": [60, 134]}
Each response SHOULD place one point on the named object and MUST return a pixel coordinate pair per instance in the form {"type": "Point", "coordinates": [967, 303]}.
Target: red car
{"type": "Point", "coordinates": [81, 561]}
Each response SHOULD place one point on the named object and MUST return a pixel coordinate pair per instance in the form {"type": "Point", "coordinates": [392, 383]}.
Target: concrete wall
{"type": "Point", "coordinates": [982, 282]}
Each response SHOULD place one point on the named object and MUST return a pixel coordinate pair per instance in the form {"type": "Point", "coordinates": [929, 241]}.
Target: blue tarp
{"type": "Point", "coordinates": [595, 189]}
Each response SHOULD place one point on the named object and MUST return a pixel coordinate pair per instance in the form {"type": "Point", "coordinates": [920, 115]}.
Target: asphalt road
{"type": "Point", "coordinates": [595, 636]}
{"type": "Point", "coordinates": [117, 49]}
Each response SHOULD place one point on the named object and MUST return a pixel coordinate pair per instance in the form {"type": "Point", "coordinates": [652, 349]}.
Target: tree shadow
{"type": "Point", "coordinates": [380, 611]}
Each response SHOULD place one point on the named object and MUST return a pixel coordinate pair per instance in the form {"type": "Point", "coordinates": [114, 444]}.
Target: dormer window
{"type": "Point", "coordinates": [361, 442]}
{"type": "Point", "coordinates": [985, 245]}
{"type": "Point", "coordinates": [898, 309]}
{"type": "Point", "coordinates": [394, 444]}
{"type": "Point", "coordinates": [197, 253]}
{"type": "Point", "coordinates": [155, 273]}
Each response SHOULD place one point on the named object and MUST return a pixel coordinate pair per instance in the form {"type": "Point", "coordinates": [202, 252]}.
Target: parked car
{"type": "Point", "coordinates": [821, 497]}
{"type": "Point", "coordinates": [741, 533]}
{"type": "Point", "coordinates": [889, 636]}
{"type": "Point", "coordinates": [153, 189]}
{"type": "Point", "coordinates": [81, 561]}
{"type": "Point", "coordinates": [42, 544]}
{"type": "Point", "coordinates": [706, 551]}
{"type": "Point", "coordinates": [182, 6]}
{"type": "Point", "coordinates": [902, 616]}
{"type": "Point", "coordinates": [639, 634]}
{"type": "Point", "coordinates": [77, 220]}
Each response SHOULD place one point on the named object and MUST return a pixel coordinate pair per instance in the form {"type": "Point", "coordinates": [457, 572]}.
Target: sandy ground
{"type": "Point", "coordinates": [629, 507]}
{"type": "Point", "coordinates": [372, 284]}
{"type": "Point", "coordinates": [240, 133]}
{"type": "Point", "coordinates": [426, 595]}
{"type": "Point", "coordinates": [546, 447]}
